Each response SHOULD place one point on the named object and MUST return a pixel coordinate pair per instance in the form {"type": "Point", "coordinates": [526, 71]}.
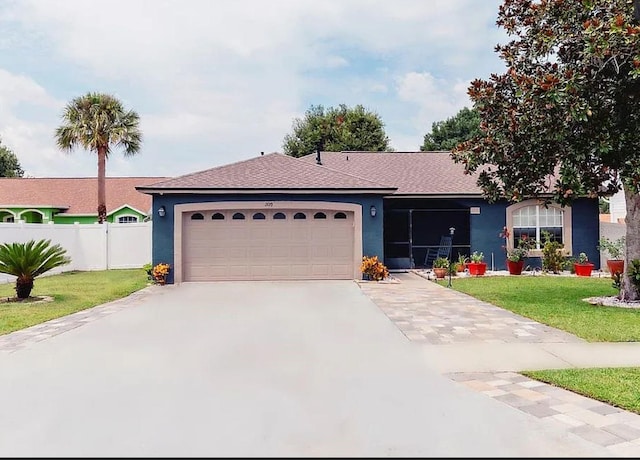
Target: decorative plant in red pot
{"type": "Point", "coordinates": [477, 266]}
{"type": "Point", "coordinates": [516, 256]}
{"type": "Point", "coordinates": [615, 249]}
{"type": "Point", "coordinates": [583, 267]}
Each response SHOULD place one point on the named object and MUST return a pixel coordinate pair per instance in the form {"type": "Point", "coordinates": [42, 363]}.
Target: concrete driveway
{"type": "Point", "coordinates": [251, 369]}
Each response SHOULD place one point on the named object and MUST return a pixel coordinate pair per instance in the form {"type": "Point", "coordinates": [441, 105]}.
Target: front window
{"type": "Point", "coordinates": [534, 221]}
{"type": "Point", "coordinates": [127, 219]}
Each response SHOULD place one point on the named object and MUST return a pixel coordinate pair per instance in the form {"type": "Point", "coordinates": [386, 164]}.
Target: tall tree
{"type": "Point", "coordinates": [447, 134]}
{"type": "Point", "coordinates": [336, 129]}
{"type": "Point", "coordinates": [567, 108]}
{"type": "Point", "coordinates": [9, 164]}
{"type": "Point", "coordinates": [97, 122]}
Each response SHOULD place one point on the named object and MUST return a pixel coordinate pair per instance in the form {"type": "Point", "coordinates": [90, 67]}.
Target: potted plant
{"type": "Point", "coordinates": [477, 266]}
{"type": "Point", "coordinates": [615, 249]}
{"type": "Point", "coordinates": [582, 266]}
{"type": "Point", "coordinates": [160, 273]}
{"type": "Point", "coordinates": [440, 267]}
{"type": "Point", "coordinates": [462, 262]}
{"type": "Point", "coordinates": [516, 256]}
{"type": "Point", "coordinates": [373, 269]}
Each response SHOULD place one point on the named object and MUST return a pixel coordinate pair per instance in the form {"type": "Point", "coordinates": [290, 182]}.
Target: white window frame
{"type": "Point", "coordinates": [567, 239]}
{"type": "Point", "coordinates": [137, 220]}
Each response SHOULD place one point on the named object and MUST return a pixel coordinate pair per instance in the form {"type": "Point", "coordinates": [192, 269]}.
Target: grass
{"type": "Point", "coordinates": [615, 386]}
{"type": "Point", "coordinates": [557, 302]}
{"type": "Point", "coordinates": [71, 291]}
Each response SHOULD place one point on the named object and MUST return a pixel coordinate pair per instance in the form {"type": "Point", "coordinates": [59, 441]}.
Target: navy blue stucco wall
{"type": "Point", "coordinates": [586, 229]}
{"type": "Point", "coordinates": [486, 227]}
{"type": "Point", "coordinates": [162, 234]}
{"type": "Point", "coordinates": [485, 231]}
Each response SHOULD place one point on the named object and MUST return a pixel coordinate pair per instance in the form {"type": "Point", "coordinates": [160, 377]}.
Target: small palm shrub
{"type": "Point", "coordinates": [29, 260]}
{"type": "Point", "coordinates": [373, 269]}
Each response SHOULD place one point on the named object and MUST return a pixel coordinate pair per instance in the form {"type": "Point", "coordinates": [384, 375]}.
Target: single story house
{"type": "Point", "coordinates": [74, 199]}
{"type": "Point", "coordinates": [278, 217]}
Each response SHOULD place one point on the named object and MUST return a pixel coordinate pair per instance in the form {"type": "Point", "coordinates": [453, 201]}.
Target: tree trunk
{"type": "Point", "coordinates": [629, 291]}
{"type": "Point", "coordinates": [23, 287]}
{"type": "Point", "coordinates": [102, 200]}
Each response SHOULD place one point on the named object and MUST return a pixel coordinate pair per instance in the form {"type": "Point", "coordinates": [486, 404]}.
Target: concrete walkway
{"type": "Point", "coordinates": [483, 347]}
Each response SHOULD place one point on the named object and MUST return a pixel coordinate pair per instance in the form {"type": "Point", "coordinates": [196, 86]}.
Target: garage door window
{"type": "Point", "coordinates": [217, 216]}
{"type": "Point", "coordinates": [238, 216]}
{"type": "Point", "coordinates": [339, 215]}
{"type": "Point", "coordinates": [299, 215]}
{"type": "Point", "coordinates": [279, 215]}
{"type": "Point", "coordinates": [197, 216]}
{"type": "Point", "coordinates": [258, 216]}
{"type": "Point", "coordinates": [319, 215]}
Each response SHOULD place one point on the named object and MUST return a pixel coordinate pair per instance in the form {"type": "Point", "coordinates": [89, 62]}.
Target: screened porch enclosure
{"type": "Point", "coordinates": [412, 227]}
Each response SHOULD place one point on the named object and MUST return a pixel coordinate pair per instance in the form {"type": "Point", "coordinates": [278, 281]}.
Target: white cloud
{"type": "Point", "coordinates": [435, 99]}
{"type": "Point", "coordinates": [216, 82]}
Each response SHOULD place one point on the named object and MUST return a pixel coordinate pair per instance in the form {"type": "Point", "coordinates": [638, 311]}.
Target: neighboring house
{"type": "Point", "coordinates": [278, 217]}
{"type": "Point", "coordinates": [70, 200]}
{"type": "Point", "coordinates": [617, 207]}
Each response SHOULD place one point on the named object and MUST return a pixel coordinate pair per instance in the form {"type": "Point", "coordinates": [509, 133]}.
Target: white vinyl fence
{"type": "Point", "coordinates": [90, 246]}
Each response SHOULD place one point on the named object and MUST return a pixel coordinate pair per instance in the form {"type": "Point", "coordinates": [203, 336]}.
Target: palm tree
{"type": "Point", "coordinates": [28, 260]}
{"type": "Point", "coordinates": [96, 122]}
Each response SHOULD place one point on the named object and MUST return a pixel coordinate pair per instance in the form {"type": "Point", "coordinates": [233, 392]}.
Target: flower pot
{"type": "Point", "coordinates": [440, 272]}
{"type": "Point", "coordinates": [515, 268]}
{"type": "Point", "coordinates": [460, 267]}
{"type": "Point", "coordinates": [583, 269]}
{"type": "Point", "coordinates": [477, 268]}
{"type": "Point", "coordinates": [615, 266]}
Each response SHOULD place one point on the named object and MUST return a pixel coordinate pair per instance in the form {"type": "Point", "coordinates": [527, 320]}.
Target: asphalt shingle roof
{"type": "Point", "coordinates": [273, 171]}
{"type": "Point", "coordinates": [420, 173]}
{"type": "Point", "coordinates": [78, 194]}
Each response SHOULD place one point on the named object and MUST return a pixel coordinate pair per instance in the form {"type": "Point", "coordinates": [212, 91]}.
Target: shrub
{"type": "Point", "coordinates": [615, 248]}
{"type": "Point", "coordinates": [373, 269]}
{"type": "Point", "coordinates": [634, 272]}
{"type": "Point", "coordinates": [552, 258]}
{"type": "Point", "coordinates": [160, 272]}
{"type": "Point", "coordinates": [26, 261]}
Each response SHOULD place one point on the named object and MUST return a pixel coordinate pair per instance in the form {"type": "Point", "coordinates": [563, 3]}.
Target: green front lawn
{"type": "Point", "coordinates": [615, 386]}
{"type": "Point", "coordinates": [72, 292]}
{"type": "Point", "coordinates": [557, 302]}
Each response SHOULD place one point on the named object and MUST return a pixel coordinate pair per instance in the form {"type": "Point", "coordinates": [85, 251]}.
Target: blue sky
{"type": "Point", "coordinates": [220, 81]}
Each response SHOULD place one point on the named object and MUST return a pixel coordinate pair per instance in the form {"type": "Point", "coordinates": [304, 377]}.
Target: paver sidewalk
{"type": "Point", "coordinates": [481, 347]}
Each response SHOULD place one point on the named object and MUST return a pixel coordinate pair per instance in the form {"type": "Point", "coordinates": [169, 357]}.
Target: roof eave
{"type": "Point", "coordinates": [278, 191]}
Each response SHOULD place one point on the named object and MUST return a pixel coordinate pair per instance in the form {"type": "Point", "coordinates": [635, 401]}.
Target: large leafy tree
{"type": "Point", "coordinates": [98, 122]}
{"type": "Point", "coordinates": [9, 164]}
{"type": "Point", "coordinates": [336, 129]}
{"type": "Point", "coordinates": [447, 134]}
{"type": "Point", "coordinates": [564, 119]}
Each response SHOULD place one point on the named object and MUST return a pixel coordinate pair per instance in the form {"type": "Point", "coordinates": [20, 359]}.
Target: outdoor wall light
{"type": "Point", "coordinates": [162, 211]}
{"type": "Point", "coordinates": [372, 211]}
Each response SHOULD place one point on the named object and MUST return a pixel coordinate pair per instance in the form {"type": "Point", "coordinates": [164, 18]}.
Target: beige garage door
{"type": "Point", "coordinates": [267, 245]}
